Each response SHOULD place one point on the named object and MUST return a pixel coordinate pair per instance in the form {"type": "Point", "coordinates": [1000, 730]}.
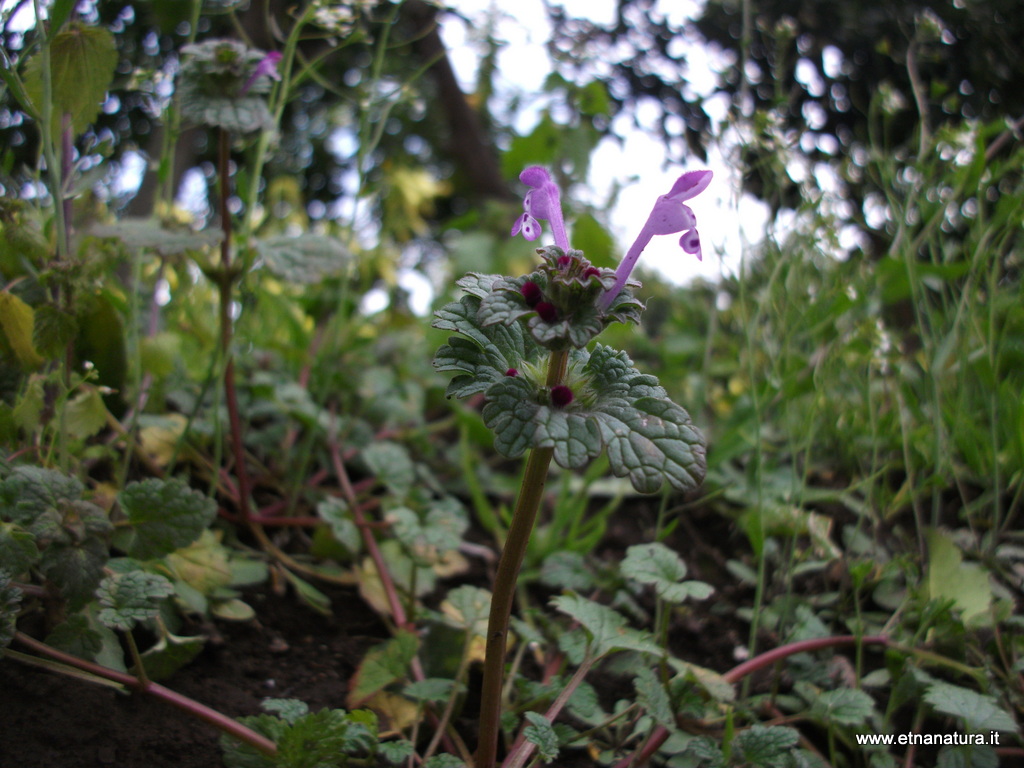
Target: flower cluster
{"type": "Point", "coordinates": [668, 216]}
{"type": "Point", "coordinates": [223, 84]}
{"type": "Point", "coordinates": [524, 344]}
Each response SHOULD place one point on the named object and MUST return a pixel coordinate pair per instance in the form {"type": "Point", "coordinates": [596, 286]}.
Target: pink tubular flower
{"type": "Point", "coordinates": [668, 216]}
{"type": "Point", "coordinates": [267, 66]}
{"type": "Point", "coordinates": [541, 202]}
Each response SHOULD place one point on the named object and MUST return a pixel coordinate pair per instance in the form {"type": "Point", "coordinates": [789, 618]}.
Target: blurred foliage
{"type": "Point", "coordinates": [861, 392]}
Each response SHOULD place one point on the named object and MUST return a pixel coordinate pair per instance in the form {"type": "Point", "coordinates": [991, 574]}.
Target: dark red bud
{"type": "Point", "coordinates": [590, 271]}
{"type": "Point", "coordinates": [547, 311]}
{"type": "Point", "coordinates": [564, 261]}
{"type": "Point", "coordinates": [532, 293]}
{"type": "Point", "coordinates": [511, 372]}
{"type": "Point", "coordinates": [561, 396]}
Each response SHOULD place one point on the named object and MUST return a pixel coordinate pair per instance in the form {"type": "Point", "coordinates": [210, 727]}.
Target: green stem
{"type": "Point", "coordinates": [140, 667]}
{"type": "Point", "coordinates": [530, 494]}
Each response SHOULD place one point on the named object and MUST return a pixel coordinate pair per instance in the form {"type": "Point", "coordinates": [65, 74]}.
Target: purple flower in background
{"type": "Point", "coordinates": [668, 217]}
{"type": "Point", "coordinates": [541, 202]}
{"type": "Point", "coordinates": [267, 66]}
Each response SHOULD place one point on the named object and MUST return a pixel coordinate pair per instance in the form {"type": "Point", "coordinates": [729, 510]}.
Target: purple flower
{"type": "Point", "coordinates": [267, 66]}
{"type": "Point", "coordinates": [541, 202]}
{"type": "Point", "coordinates": [668, 216]}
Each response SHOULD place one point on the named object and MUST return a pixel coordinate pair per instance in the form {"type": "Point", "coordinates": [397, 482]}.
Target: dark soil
{"type": "Point", "coordinates": [51, 721]}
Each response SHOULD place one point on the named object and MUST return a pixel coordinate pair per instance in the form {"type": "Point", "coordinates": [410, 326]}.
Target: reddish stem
{"type": "Point", "coordinates": [394, 602]}
{"type": "Point", "coordinates": [184, 703]}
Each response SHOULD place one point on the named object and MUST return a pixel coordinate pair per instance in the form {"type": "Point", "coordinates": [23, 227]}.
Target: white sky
{"type": "Point", "coordinates": [523, 65]}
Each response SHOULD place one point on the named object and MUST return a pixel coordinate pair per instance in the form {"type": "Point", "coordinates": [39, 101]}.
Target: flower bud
{"type": "Point", "coordinates": [547, 311]}
{"type": "Point", "coordinates": [561, 396]}
{"type": "Point", "coordinates": [532, 293]}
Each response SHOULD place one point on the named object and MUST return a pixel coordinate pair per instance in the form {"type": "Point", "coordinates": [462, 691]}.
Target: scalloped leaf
{"type": "Point", "coordinates": [540, 733]}
{"type": "Point", "coordinates": [165, 515]}
{"type": "Point", "coordinates": [305, 259]}
{"type": "Point", "coordinates": [16, 322]}
{"type": "Point", "coordinates": [766, 746]}
{"type": "Point", "coordinates": [980, 713]}
{"type": "Point", "coordinates": [485, 355]}
{"type": "Point", "coordinates": [607, 628]}
{"type": "Point", "coordinates": [649, 439]}
{"type": "Point", "coordinates": [128, 598]}
{"type": "Point", "coordinates": [82, 62]}
{"type": "Point", "coordinates": [151, 235]}
{"type": "Point", "coordinates": [659, 566]}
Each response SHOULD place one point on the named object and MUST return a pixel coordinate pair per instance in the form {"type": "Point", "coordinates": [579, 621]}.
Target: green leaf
{"type": "Point", "coordinates": [843, 707]}
{"type": "Point", "coordinates": [53, 330]}
{"type": "Point", "coordinates": [608, 629]}
{"type": "Point", "coordinates": [289, 710]}
{"type": "Point", "coordinates": [30, 492]}
{"type": "Point", "coordinates": [169, 654]}
{"type": "Point", "coordinates": [967, 756]}
{"type": "Point", "coordinates": [651, 695]}
{"type": "Point", "coordinates": [659, 566]}
{"type": "Point", "coordinates": [323, 739]}
{"type": "Point", "coordinates": [488, 352]}
{"type": "Point", "coordinates": [335, 513]}
{"type": "Point", "coordinates": [76, 568]}
{"type": "Point", "coordinates": [979, 713]}
{"type": "Point", "coordinates": [567, 570]}
{"type": "Point", "coordinates": [18, 549]}
{"type": "Point", "coordinates": [71, 534]}
{"type": "Point", "coordinates": [540, 733]}
{"type": "Point", "coordinates": [238, 754]}
{"type": "Point", "coordinates": [468, 608]}
{"type": "Point", "coordinates": [648, 437]}
{"type": "Point", "coordinates": [29, 407]}
{"type": "Point", "coordinates": [707, 752]}
{"type": "Point", "coordinates": [153, 235]}
{"type": "Point", "coordinates": [652, 440]}
{"type": "Point", "coordinates": [396, 752]}
{"type": "Point", "coordinates": [766, 746]}
{"type": "Point", "coordinates": [950, 578]}
{"type": "Point", "coordinates": [10, 599]}
{"type": "Point", "coordinates": [391, 465]}
{"type": "Point", "coordinates": [165, 515]}
{"type": "Point", "coordinates": [128, 598]}
{"type": "Point", "coordinates": [77, 637]}
{"type": "Point", "coordinates": [440, 530]}
{"type": "Point", "coordinates": [443, 761]}
{"type": "Point", "coordinates": [433, 689]}
{"type": "Point", "coordinates": [383, 665]}
{"type": "Point", "coordinates": [305, 259]}
{"type": "Point", "coordinates": [82, 62]}
{"type": "Point", "coordinates": [85, 413]}
{"type": "Point", "coordinates": [17, 321]}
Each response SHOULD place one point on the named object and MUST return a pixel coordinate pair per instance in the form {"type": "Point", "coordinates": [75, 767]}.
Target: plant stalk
{"type": "Point", "coordinates": [226, 283]}
{"type": "Point", "coordinates": [531, 492]}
